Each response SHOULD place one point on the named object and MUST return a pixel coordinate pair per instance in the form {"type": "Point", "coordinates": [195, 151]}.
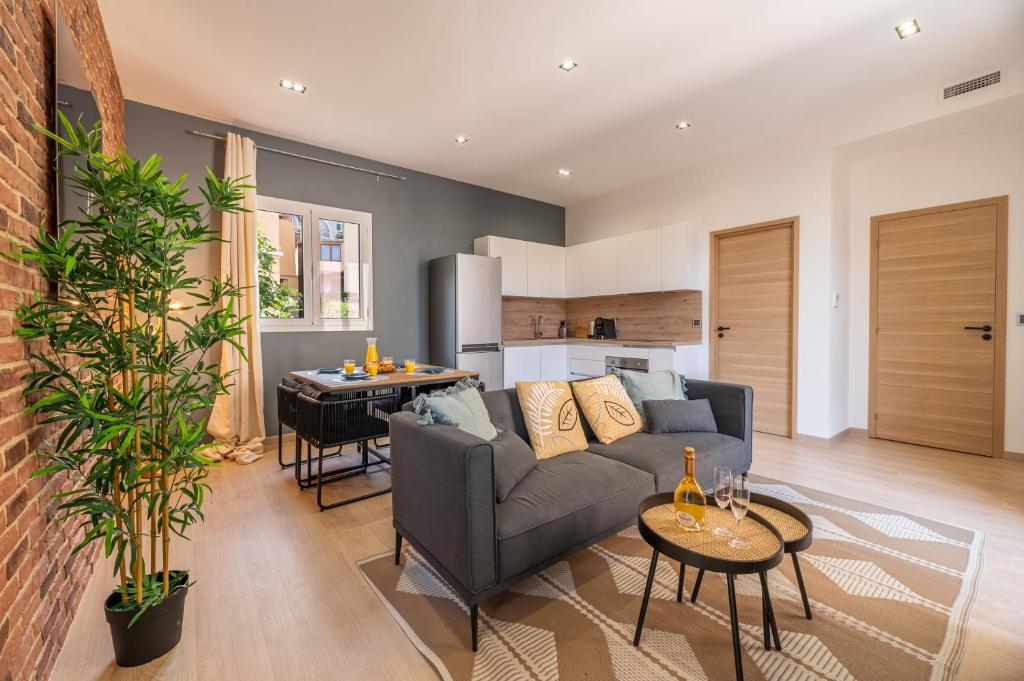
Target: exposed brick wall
{"type": "Point", "coordinates": [40, 582]}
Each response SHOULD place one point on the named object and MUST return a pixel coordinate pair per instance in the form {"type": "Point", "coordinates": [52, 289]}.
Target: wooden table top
{"type": "Point", "coordinates": [396, 379]}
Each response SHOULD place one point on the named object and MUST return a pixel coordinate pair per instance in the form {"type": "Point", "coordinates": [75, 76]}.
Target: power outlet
{"type": "Point", "coordinates": [1020, 319]}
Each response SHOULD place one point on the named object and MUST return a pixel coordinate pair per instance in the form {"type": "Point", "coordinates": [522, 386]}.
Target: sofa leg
{"type": "Point", "coordinates": [398, 546]}
{"type": "Point", "coordinates": [474, 616]}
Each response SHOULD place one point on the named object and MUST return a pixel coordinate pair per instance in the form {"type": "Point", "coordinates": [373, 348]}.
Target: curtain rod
{"type": "Point", "coordinates": [378, 173]}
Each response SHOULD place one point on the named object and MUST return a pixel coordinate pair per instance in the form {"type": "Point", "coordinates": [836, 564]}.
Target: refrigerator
{"type": "Point", "coordinates": [465, 315]}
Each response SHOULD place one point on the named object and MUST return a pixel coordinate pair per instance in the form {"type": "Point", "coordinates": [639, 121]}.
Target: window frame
{"type": "Point", "coordinates": [311, 214]}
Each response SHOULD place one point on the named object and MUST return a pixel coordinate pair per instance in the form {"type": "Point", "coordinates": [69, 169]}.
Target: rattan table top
{"type": "Point", "coordinates": [789, 527]}
{"type": "Point", "coordinates": [764, 544]}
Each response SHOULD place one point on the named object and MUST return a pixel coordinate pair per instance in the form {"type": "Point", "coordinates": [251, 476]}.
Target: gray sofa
{"type": "Point", "coordinates": [444, 501]}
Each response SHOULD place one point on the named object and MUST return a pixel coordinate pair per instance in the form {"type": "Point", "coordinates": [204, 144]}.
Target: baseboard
{"type": "Point", "coordinates": [829, 441]}
{"type": "Point", "coordinates": [1013, 456]}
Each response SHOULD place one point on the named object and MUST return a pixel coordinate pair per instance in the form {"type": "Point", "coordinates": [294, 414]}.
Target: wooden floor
{"type": "Point", "coordinates": [278, 595]}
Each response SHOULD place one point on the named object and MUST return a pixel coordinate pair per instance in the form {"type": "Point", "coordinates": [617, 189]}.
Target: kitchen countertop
{"type": "Point", "coordinates": [594, 341]}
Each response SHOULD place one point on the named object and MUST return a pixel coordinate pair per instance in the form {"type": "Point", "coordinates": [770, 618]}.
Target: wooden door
{"type": "Point", "coordinates": [938, 279]}
{"type": "Point", "coordinates": [753, 317]}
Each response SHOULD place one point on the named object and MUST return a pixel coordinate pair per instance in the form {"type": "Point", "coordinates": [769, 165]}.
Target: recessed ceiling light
{"type": "Point", "coordinates": [568, 65]}
{"type": "Point", "coordinates": [461, 139]}
{"type": "Point", "coordinates": [564, 172]}
{"type": "Point", "coordinates": [292, 85]}
{"type": "Point", "coordinates": [907, 29]}
{"type": "Point", "coordinates": [683, 125]}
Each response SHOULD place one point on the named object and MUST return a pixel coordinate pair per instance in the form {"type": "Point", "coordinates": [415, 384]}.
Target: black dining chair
{"type": "Point", "coordinates": [286, 415]}
{"type": "Point", "coordinates": [330, 421]}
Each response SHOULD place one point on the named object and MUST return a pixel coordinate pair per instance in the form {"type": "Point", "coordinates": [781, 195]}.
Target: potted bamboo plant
{"type": "Point", "coordinates": [118, 351]}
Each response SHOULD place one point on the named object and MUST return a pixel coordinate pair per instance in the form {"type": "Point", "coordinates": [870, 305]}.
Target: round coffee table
{"type": "Point", "coordinates": [710, 552]}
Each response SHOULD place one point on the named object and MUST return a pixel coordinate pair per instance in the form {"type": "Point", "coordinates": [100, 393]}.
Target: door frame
{"type": "Point", "coordinates": [716, 236]}
{"type": "Point", "coordinates": [999, 323]}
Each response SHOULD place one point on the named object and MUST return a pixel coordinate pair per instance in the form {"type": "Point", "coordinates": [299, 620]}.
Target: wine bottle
{"type": "Point", "coordinates": [689, 498]}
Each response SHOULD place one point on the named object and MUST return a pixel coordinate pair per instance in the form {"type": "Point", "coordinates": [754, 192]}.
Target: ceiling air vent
{"type": "Point", "coordinates": [971, 85]}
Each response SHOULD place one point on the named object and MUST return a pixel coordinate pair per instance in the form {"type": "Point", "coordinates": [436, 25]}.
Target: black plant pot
{"type": "Point", "coordinates": [155, 632]}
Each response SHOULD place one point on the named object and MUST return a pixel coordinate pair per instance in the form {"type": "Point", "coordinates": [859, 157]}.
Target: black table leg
{"type": "Point", "coordinates": [682, 576]}
{"type": "Point", "coordinates": [803, 589]}
{"type": "Point", "coordinates": [398, 546]}
{"type": "Point", "coordinates": [764, 619]}
{"type": "Point", "coordinates": [769, 613]}
{"type": "Point", "coordinates": [696, 586]}
{"type": "Point", "coordinates": [647, 596]}
{"type": "Point", "coordinates": [735, 627]}
{"type": "Point", "coordinates": [474, 617]}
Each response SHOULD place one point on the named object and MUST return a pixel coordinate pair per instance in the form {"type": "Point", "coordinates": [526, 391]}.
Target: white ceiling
{"type": "Point", "coordinates": [397, 81]}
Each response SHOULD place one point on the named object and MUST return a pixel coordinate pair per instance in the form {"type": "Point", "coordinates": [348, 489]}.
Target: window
{"type": "Point", "coordinates": [313, 267]}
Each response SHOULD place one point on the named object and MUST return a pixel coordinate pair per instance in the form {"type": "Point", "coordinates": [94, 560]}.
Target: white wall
{"type": "Point", "coordinates": [984, 163]}
{"type": "Point", "coordinates": [835, 189]}
{"type": "Point", "coordinates": [780, 180]}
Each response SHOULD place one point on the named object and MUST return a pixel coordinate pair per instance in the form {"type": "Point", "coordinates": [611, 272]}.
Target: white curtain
{"type": "Point", "coordinates": [237, 418]}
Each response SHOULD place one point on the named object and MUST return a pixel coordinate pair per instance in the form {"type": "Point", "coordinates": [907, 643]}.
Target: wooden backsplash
{"type": "Point", "coordinates": [518, 315]}
{"type": "Point", "coordinates": [641, 316]}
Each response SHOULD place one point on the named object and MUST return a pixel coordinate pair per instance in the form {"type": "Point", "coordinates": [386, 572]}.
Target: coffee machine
{"type": "Point", "coordinates": [602, 328]}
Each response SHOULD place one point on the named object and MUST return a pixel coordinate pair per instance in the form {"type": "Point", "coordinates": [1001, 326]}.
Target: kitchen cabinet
{"type": "Point", "coordinates": [545, 271]}
{"type": "Point", "coordinates": [521, 363]}
{"type": "Point", "coordinates": [535, 363]}
{"type": "Point", "coordinates": [514, 257]}
{"type": "Point", "coordinates": [684, 257]}
{"type": "Point", "coordinates": [640, 261]}
{"type": "Point", "coordinates": [573, 271]}
{"type": "Point", "coordinates": [599, 268]}
{"type": "Point", "coordinates": [554, 362]}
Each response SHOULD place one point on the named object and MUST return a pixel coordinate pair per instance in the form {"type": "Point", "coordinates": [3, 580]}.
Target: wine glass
{"type": "Point", "coordinates": [723, 492]}
{"type": "Point", "coordinates": [739, 503]}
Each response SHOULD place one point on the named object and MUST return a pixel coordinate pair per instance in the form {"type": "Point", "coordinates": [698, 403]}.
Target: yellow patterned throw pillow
{"type": "Point", "coordinates": [551, 417]}
{"type": "Point", "coordinates": [608, 409]}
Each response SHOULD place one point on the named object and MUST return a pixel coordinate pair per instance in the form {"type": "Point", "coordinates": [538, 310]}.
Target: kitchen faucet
{"type": "Point", "coordinates": [538, 327]}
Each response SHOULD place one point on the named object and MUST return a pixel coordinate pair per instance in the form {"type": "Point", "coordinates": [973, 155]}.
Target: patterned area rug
{"type": "Point", "coordinates": [890, 593]}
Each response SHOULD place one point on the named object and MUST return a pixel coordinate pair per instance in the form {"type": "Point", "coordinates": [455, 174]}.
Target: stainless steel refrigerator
{"type": "Point", "coordinates": [465, 315]}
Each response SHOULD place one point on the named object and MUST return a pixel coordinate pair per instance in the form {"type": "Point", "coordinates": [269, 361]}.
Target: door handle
{"type": "Point", "coordinates": [985, 328]}
{"type": "Point", "coordinates": [723, 328]}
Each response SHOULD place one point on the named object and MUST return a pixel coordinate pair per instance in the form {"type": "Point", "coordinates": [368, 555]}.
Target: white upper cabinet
{"type": "Point", "coordinates": [639, 263]}
{"type": "Point", "coordinates": [684, 256]}
{"type": "Point", "coordinates": [599, 265]}
{"type": "Point", "coordinates": [513, 254]}
{"type": "Point", "coordinates": [573, 271]}
{"type": "Point", "coordinates": [545, 267]}
{"type": "Point", "coordinates": [556, 255]}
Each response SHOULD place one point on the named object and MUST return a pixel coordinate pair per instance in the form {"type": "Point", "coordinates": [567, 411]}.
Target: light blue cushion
{"type": "Point", "coordinates": [665, 384]}
{"type": "Point", "coordinates": [459, 406]}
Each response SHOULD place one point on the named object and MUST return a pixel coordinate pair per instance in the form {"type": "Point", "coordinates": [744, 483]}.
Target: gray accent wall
{"type": "Point", "coordinates": [422, 218]}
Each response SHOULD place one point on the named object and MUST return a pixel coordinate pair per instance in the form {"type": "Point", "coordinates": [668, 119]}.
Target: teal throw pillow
{"type": "Point", "coordinates": [459, 406]}
{"type": "Point", "coordinates": [664, 384]}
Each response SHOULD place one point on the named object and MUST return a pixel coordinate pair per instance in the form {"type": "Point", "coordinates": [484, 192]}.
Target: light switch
{"type": "Point", "coordinates": [1020, 319]}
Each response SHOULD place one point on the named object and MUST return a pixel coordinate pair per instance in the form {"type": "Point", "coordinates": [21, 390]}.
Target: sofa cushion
{"type": "Point", "coordinates": [607, 407]}
{"type": "Point", "coordinates": [662, 455]}
{"type": "Point", "coordinates": [513, 460]}
{"type": "Point", "coordinates": [564, 502]}
{"type": "Point", "coordinates": [505, 412]}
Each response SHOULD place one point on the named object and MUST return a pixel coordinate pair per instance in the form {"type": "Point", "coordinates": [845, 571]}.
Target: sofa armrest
{"type": "Point", "coordinates": [442, 482]}
{"type": "Point", "coordinates": [732, 405]}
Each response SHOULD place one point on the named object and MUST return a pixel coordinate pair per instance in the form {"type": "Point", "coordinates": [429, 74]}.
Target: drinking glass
{"type": "Point", "coordinates": [723, 493]}
{"type": "Point", "coordinates": [372, 367]}
{"type": "Point", "coordinates": [410, 365]}
{"type": "Point", "coordinates": [349, 366]}
{"type": "Point", "coordinates": [739, 503]}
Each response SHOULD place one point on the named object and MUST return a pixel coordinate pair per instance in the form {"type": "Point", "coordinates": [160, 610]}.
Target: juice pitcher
{"type": "Point", "coordinates": [371, 350]}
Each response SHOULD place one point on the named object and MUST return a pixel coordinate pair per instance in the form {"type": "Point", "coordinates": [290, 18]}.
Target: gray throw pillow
{"type": "Point", "coordinates": [513, 459]}
{"type": "Point", "coordinates": [680, 416]}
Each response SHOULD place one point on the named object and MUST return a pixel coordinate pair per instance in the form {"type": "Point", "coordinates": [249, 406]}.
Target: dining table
{"type": "Point", "coordinates": [335, 410]}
